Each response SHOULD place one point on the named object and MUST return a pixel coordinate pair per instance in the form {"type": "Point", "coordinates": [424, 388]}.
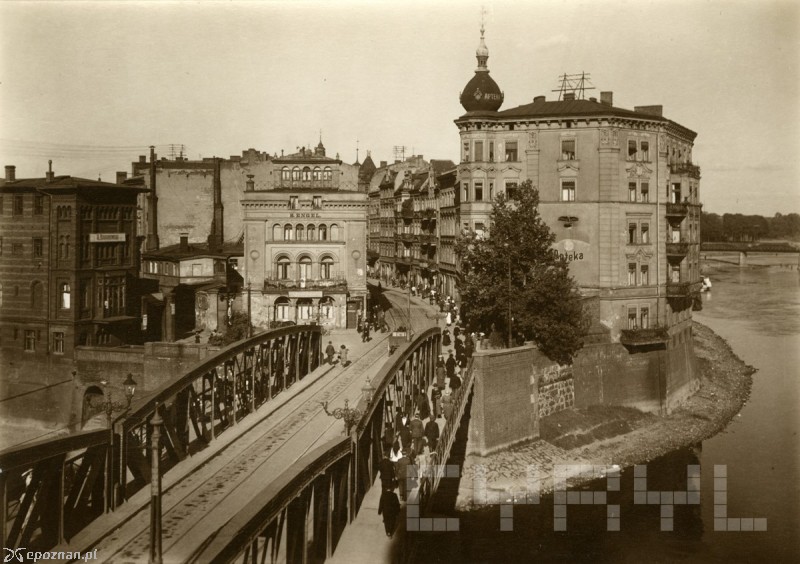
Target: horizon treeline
{"type": "Point", "coordinates": [736, 227]}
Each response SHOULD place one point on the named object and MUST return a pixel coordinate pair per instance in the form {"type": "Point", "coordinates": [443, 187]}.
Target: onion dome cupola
{"type": "Point", "coordinates": [482, 93]}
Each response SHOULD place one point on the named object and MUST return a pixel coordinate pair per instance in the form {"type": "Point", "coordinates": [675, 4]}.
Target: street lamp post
{"type": "Point", "coordinates": [249, 315]}
{"type": "Point", "coordinates": [508, 299]}
{"type": "Point", "coordinates": [109, 405]}
{"type": "Point", "coordinates": [155, 490]}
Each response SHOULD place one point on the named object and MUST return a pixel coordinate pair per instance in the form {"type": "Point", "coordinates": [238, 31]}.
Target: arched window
{"type": "Point", "coordinates": [299, 232]}
{"type": "Point", "coordinates": [327, 174]}
{"type": "Point", "coordinates": [334, 232]}
{"type": "Point", "coordinates": [36, 295]}
{"type": "Point", "coordinates": [326, 309]}
{"type": "Point", "coordinates": [326, 268]}
{"type": "Point", "coordinates": [287, 232]}
{"type": "Point", "coordinates": [282, 309]}
{"type": "Point", "coordinates": [276, 232]}
{"type": "Point", "coordinates": [286, 173]}
{"type": "Point", "coordinates": [323, 233]}
{"type": "Point", "coordinates": [317, 173]}
{"type": "Point", "coordinates": [310, 232]}
{"type": "Point", "coordinates": [66, 295]}
{"type": "Point", "coordinates": [282, 267]}
{"type": "Point", "coordinates": [304, 267]}
{"type": "Point", "coordinates": [306, 173]}
{"type": "Point", "coordinates": [296, 173]}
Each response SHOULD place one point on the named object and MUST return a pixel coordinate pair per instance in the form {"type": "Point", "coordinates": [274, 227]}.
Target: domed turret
{"type": "Point", "coordinates": [482, 93]}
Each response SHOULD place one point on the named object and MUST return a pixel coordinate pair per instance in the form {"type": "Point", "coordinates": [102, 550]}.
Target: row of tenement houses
{"type": "Point", "coordinates": [180, 245]}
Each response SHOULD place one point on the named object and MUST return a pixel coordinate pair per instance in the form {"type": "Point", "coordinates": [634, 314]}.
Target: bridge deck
{"type": "Point", "coordinates": [206, 490]}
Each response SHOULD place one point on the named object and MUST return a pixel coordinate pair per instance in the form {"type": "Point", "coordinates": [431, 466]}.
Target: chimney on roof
{"type": "Point", "coordinates": [184, 248]}
{"type": "Point", "coordinates": [383, 164]}
{"type": "Point", "coordinates": [49, 176]}
{"type": "Point", "coordinates": [215, 237]}
{"type": "Point", "coordinates": [121, 176]}
{"type": "Point", "coordinates": [11, 174]}
{"type": "Point", "coordinates": [538, 99]}
{"type": "Point", "coordinates": [593, 99]}
{"type": "Point", "coordinates": [569, 96]}
{"type": "Point", "coordinates": [142, 159]}
{"type": "Point", "coordinates": [607, 98]}
{"type": "Point", "coordinates": [250, 184]}
{"type": "Point", "coordinates": [152, 241]}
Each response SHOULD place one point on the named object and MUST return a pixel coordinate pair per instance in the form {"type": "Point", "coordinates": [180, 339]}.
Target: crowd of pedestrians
{"type": "Point", "coordinates": [410, 442]}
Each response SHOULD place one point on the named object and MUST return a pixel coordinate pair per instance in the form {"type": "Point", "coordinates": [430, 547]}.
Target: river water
{"type": "Point", "coordinates": [757, 310]}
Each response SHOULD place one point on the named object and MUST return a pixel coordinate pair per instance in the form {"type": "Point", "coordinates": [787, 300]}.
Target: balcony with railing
{"type": "Point", "coordinates": [677, 250]}
{"type": "Point", "coordinates": [428, 239]}
{"type": "Point", "coordinates": [336, 281]}
{"type": "Point", "coordinates": [678, 210]}
{"type": "Point", "coordinates": [687, 169]}
{"type": "Point", "coordinates": [644, 336]}
{"type": "Point", "coordinates": [682, 289]}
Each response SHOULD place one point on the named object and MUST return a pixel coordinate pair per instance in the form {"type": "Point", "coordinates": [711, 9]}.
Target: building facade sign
{"type": "Point", "coordinates": [305, 294]}
{"type": "Point", "coordinates": [571, 250]}
{"type": "Point", "coordinates": [305, 215]}
{"type": "Point", "coordinates": [106, 237]}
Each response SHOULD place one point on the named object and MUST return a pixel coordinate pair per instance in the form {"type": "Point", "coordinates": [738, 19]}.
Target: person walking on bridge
{"type": "Point", "coordinates": [389, 507]}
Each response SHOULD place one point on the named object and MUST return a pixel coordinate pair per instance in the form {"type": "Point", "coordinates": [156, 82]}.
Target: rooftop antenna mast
{"type": "Point", "coordinates": [577, 84]}
{"type": "Point", "coordinates": [178, 148]}
{"type": "Point", "coordinates": [399, 153]}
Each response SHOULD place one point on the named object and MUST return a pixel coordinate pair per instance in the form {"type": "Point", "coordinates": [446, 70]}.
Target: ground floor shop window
{"type": "Point", "coordinates": [326, 310]}
{"type": "Point", "coordinates": [305, 310]}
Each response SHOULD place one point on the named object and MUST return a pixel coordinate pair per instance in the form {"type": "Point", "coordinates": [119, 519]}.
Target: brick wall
{"type": "Point", "coordinates": [515, 387]}
{"type": "Point", "coordinates": [556, 389]}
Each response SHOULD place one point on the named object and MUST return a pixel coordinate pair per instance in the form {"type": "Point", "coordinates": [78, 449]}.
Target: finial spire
{"type": "Point", "coordinates": [482, 53]}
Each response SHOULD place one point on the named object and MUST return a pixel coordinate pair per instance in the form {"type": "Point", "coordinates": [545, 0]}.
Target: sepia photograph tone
{"type": "Point", "coordinates": [400, 282]}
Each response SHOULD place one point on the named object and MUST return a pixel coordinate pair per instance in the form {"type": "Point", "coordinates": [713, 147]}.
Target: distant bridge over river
{"type": "Point", "coordinates": [738, 253]}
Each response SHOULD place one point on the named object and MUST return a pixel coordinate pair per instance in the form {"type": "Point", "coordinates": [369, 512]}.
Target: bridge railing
{"type": "Point", "coordinates": [448, 435]}
{"type": "Point", "coordinates": [213, 397]}
{"type": "Point", "coordinates": [301, 516]}
{"type": "Point", "coordinates": [82, 476]}
{"type": "Point", "coordinates": [51, 489]}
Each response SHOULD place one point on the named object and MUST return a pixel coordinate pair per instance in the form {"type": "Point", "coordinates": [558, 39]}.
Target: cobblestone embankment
{"type": "Point", "coordinates": [725, 382]}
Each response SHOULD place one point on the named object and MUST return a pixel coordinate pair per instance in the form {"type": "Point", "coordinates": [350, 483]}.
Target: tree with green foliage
{"type": "Point", "coordinates": [515, 271]}
{"type": "Point", "coordinates": [236, 331]}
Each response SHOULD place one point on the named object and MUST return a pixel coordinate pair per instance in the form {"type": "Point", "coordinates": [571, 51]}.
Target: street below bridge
{"type": "Point", "coordinates": [205, 491]}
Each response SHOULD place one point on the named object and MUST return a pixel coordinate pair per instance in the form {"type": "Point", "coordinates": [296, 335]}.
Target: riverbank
{"type": "Point", "coordinates": [615, 437]}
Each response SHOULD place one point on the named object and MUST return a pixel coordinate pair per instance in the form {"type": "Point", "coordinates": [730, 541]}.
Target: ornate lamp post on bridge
{"type": "Point", "coordinates": [349, 415]}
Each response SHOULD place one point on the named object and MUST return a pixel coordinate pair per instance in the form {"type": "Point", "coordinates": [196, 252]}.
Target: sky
{"type": "Point", "coordinates": [91, 85]}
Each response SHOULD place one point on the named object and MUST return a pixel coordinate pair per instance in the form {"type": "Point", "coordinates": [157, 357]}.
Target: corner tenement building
{"type": "Point", "coordinates": [619, 190]}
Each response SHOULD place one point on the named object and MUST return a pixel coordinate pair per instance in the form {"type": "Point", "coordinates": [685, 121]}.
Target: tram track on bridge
{"type": "Point", "coordinates": [217, 489]}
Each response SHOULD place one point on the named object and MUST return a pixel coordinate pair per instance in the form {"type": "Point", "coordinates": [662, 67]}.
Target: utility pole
{"type": "Point", "coordinates": [408, 312]}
